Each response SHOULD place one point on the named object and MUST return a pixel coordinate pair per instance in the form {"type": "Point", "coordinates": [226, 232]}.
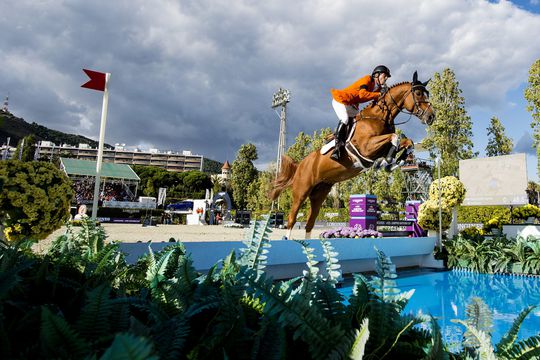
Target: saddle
{"type": "Point", "coordinates": [360, 161]}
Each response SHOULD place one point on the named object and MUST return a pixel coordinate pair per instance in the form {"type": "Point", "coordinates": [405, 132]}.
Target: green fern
{"type": "Point", "coordinates": [478, 317]}
{"type": "Point", "coordinates": [436, 349]}
{"type": "Point", "coordinates": [58, 339]}
{"type": "Point", "coordinates": [312, 269]}
{"type": "Point", "coordinates": [361, 338]}
{"type": "Point", "coordinates": [331, 262]}
{"type": "Point", "coordinates": [483, 349]}
{"type": "Point", "coordinates": [294, 312]}
{"type": "Point", "coordinates": [171, 336]}
{"type": "Point", "coordinates": [525, 349]}
{"type": "Point", "coordinates": [257, 243]}
{"type": "Point", "coordinates": [93, 321]}
{"type": "Point", "coordinates": [330, 301]}
{"type": "Point", "coordinates": [129, 347]}
{"type": "Point", "coordinates": [508, 341]}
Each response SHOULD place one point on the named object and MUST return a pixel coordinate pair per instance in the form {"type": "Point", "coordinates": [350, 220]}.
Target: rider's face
{"type": "Point", "coordinates": [381, 78]}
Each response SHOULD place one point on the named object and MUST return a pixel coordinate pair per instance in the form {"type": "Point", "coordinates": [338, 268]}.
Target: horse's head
{"type": "Point", "coordinates": [417, 101]}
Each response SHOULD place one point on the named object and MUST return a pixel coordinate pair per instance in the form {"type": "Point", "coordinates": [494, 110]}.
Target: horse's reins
{"type": "Point", "coordinates": [419, 111]}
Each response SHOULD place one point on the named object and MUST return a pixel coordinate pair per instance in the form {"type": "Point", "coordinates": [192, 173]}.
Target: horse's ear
{"type": "Point", "coordinates": [415, 77]}
{"type": "Point", "coordinates": [426, 82]}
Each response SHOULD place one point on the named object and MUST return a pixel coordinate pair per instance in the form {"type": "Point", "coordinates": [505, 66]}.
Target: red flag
{"type": "Point", "coordinates": [97, 80]}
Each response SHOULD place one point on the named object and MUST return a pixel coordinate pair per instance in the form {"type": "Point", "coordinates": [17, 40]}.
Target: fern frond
{"type": "Point", "coordinates": [329, 300]}
{"type": "Point", "coordinates": [331, 262]}
{"type": "Point", "coordinates": [312, 269]}
{"type": "Point", "coordinates": [359, 299]}
{"type": "Point", "coordinates": [508, 340]}
{"type": "Point", "coordinates": [257, 242]}
{"type": "Point", "coordinates": [436, 349]}
{"type": "Point", "coordinates": [156, 270]}
{"type": "Point", "coordinates": [525, 349]}
{"type": "Point", "coordinates": [59, 339]}
{"type": "Point", "coordinates": [171, 336]}
{"type": "Point", "coordinates": [94, 319]}
{"type": "Point", "coordinates": [296, 313]}
{"type": "Point", "coordinates": [186, 282]}
{"type": "Point", "coordinates": [360, 340]}
{"type": "Point", "coordinates": [129, 347]}
{"type": "Point", "coordinates": [269, 341]}
{"type": "Point", "coordinates": [478, 316]}
{"type": "Point", "coordinates": [484, 349]}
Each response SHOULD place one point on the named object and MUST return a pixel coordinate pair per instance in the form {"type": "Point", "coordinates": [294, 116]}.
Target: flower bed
{"type": "Point", "coordinates": [355, 231]}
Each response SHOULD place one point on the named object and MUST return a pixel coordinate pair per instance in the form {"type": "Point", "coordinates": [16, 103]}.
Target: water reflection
{"type": "Point", "coordinates": [445, 295]}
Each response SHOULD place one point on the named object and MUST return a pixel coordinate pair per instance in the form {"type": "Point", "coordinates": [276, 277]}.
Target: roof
{"type": "Point", "coordinates": [226, 165]}
{"type": "Point", "coordinates": [88, 168]}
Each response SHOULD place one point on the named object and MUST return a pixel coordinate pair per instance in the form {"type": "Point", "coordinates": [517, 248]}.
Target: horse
{"type": "Point", "coordinates": [372, 143]}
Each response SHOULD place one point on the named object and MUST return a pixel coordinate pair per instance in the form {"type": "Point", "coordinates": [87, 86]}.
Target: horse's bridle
{"type": "Point", "coordinates": [417, 110]}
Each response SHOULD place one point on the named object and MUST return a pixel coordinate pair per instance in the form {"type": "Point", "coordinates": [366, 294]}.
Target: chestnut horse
{"type": "Point", "coordinates": [372, 143]}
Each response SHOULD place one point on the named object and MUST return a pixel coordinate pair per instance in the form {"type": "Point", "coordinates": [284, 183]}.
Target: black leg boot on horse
{"type": "Point", "coordinates": [341, 138]}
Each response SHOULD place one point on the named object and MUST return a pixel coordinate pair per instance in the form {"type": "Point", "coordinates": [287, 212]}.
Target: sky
{"type": "Point", "coordinates": [199, 75]}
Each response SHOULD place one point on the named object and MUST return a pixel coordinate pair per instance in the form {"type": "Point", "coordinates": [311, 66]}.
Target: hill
{"type": "Point", "coordinates": [17, 128]}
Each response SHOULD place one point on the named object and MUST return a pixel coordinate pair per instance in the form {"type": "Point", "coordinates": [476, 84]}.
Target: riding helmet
{"type": "Point", "coordinates": [381, 69]}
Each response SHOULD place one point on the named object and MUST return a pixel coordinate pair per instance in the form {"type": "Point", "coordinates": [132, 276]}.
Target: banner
{"type": "Point", "coordinates": [162, 194]}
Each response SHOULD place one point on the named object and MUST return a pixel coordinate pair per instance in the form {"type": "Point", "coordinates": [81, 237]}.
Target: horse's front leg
{"type": "Point", "coordinates": [406, 144]}
{"type": "Point", "coordinates": [374, 148]}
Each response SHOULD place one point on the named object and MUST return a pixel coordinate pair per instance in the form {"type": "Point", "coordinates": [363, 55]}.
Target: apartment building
{"type": "Point", "coordinates": [170, 160]}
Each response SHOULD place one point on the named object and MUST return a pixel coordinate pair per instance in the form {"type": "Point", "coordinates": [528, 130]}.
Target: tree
{"type": "Point", "coordinates": [28, 151]}
{"type": "Point", "coordinates": [450, 134]}
{"type": "Point", "coordinates": [301, 147]}
{"type": "Point", "coordinates": [37, 201]}
{"type": "Point", "coordinates": [499, 143]}
{"type": "Point", "coordinates": [532, 95]}
{"type": "Point", "coordinates": [243, 173]}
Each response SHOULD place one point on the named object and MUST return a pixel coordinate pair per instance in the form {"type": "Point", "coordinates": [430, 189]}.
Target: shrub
{"type": "Point", "coordinates": [452, 191]}
{"type": "Point", "coordinates": [34, 201]}
{"type": "Point", "coordinates": [428, 215]}
{"type": "Point", "coordinates": [525, 212]}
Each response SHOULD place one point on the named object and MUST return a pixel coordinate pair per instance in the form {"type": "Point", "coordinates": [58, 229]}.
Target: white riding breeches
{"type": "Point", "coordinates": [344, 112]}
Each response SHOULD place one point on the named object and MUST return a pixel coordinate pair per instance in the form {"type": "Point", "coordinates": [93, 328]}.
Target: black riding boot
{"type": "Point", "coordinates": [391, 152]}
{"type": "Point", "coordinates": [341, 137]}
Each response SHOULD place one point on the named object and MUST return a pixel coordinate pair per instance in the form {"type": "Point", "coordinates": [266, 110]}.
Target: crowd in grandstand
{"type": "Point", "coordinates": [84, 191]}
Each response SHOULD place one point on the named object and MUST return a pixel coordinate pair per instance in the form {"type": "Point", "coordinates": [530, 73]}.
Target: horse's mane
{"type": "Point", "coordinates": [398, 84]}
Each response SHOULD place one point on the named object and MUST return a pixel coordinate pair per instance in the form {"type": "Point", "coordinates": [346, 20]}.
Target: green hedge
{"type": "Point", "coordinates": [481, 214]}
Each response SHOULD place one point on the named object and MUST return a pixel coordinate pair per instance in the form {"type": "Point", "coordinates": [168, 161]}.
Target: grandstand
{"type": "Point", "coordinates": [119, 183]}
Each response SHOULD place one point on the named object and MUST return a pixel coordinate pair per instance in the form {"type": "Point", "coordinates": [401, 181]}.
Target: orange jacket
{"type": "Point", "coordinates": [359, 92]}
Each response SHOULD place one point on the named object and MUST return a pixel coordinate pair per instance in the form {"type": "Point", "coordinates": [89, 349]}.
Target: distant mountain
{"type": "Point", "coordinates": [16, 128]}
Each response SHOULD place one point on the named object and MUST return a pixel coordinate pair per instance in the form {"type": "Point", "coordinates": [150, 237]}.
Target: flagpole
{"type": "Point", "coordinates": [100, 148]}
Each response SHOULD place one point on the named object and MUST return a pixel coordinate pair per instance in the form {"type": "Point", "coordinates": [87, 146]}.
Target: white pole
{"type": "Point", "coordinates": [439, 240]}
{"type": "Point", "coordinates": [101, 143]}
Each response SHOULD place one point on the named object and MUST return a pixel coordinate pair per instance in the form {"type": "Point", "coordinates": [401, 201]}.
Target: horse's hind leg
{"type": "Point", "coordinates": [317, 197]}
{"type": "Point", "coordinates": [298, 200]}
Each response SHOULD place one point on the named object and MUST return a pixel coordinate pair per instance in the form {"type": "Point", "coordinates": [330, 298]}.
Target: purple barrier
{"type": "Point", "coordinates": [363, 211]}
{"type": "Point", "coordinates": [363, 205]}
{"type": "Point", "coordinates": [411, 213]}
{"type": "Point", "coordinates": [366, 222]}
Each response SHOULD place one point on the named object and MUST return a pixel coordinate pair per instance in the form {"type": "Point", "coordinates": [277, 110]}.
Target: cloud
{"type": "Point", "coordinates": [200, 75]}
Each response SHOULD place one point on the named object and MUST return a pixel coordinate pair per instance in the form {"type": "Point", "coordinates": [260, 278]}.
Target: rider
{"type": "Point", "coordinates": [346, 101]}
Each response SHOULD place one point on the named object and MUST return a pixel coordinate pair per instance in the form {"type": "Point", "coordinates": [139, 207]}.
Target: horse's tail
{"type": "Point", "coordinates": [285, 177]}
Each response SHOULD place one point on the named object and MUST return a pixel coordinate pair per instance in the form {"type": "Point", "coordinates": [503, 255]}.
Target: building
{"type": "Point", "coordinates": [226, 171]}
{"type": "Point", "coordinates": [172, 161]}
